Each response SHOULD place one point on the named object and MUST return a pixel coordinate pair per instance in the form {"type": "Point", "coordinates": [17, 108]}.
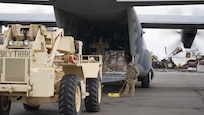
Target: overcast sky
{"type": "Point", "coordinates": [156, 39]}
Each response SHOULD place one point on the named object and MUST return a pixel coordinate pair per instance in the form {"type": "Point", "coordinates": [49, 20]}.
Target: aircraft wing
{"type": "Point", "coordinates": [171, 21]}
{"type": "Point", "coordinates": [9, 18]}
{"type": "Point", "coordinates": [41, 2]}
{"type": "Point", "coordinates": [131, 2]}
{"type": "Point", "coordinates": [160, 2]}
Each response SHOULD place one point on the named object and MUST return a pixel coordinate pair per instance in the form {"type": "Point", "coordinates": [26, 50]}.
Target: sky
{"type": "Point", "coordinates": [156, 39]}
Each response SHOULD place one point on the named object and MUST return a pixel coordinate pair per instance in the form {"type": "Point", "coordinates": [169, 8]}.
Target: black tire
{"type": "Point", "coordinates": [31, 108]}
{"type": "Point", "coordinates": [170, 65]}
{"type": "Point", "coordinates": [93, 101]}
{"type": "Point", "coordinates": [146, 81]}
{"type": "Point", "coordinates": [70, 97]}
{"type": "Point", "coordinates": [151, 73]}
{"type": "Point", "coordinates": [5, 105]}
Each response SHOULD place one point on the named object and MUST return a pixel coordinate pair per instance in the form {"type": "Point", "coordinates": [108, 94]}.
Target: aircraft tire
{"type": "Point", "coordinates": [70, 96]}
{"type": "Point", "coordinates": [146, 81]}
{"type": "Point", "coordinates": [5, 105]}
{"type": "Point", "coordinates": [93, 101]}
{"type": "Point", "coordinates": [31, 108]}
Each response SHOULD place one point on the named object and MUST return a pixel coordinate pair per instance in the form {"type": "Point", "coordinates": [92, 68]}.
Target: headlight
{"type": "Point", "coordinates": [10, 42]}
{"type": "Point", "coordinates": [26, 42]}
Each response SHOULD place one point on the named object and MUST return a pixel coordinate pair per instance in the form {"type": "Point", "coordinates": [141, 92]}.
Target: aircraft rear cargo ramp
{"type": "Point", "coordinates": [114, 66]}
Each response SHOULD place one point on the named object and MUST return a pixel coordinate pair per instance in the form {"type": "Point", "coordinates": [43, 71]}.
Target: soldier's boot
{"type": "Point", "coordinates": [132, 95]}
{"type": "Point", "coordinates": [123, 95]}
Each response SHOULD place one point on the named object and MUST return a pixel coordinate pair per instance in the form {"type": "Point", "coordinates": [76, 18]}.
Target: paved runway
{"type": "Point", "coordinates": [171, 93]}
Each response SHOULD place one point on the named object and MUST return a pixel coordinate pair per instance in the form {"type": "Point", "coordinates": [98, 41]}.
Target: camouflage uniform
{"type": "Point", "coordinates": [131, 79]}
{"type": "Point", "coordinates": [100, 49]}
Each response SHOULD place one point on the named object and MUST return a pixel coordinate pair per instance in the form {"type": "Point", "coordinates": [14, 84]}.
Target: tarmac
{"type": "Point", "coordinates": [171, 93]}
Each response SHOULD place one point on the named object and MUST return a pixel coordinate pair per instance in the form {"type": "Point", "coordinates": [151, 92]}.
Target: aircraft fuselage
{"type": "Point", "coordinates": [103, 10]}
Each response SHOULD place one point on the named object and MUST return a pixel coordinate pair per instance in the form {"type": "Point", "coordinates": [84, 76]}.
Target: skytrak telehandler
{"type": "Point", "coordinates": [38, 66]}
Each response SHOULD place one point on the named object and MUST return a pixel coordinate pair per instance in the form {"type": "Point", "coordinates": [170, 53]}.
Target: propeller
{"type": "Point", "coordinates": [194, 10]}
{"type": "Point", "coordinates": [199, 40]}
{"type": "Point", "coordinates": [172, 38]}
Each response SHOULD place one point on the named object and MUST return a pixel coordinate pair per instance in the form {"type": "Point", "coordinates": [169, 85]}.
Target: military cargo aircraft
{"type": "Point", "coordinates": [116, 21]}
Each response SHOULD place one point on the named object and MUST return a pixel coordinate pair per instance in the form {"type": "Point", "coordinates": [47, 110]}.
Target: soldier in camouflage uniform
{"type": "Point", "coordinates": [100, 48]}
{"type": "Point", "coordinates": [131, 79]}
